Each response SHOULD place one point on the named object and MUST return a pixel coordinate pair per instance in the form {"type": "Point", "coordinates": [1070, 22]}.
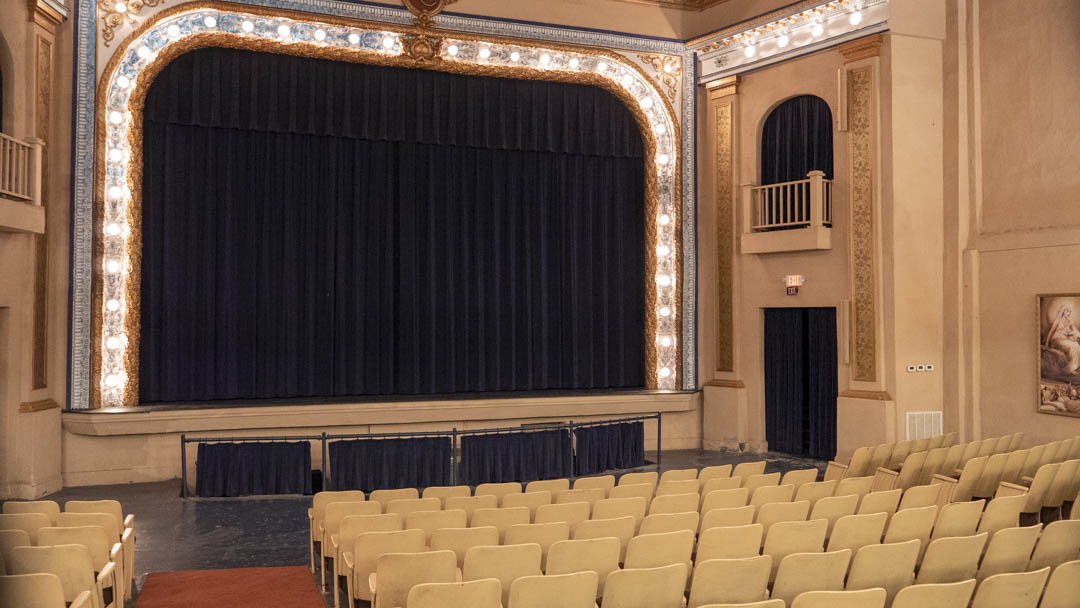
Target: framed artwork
{"type": "Point", "coordinates": [1059, 354]}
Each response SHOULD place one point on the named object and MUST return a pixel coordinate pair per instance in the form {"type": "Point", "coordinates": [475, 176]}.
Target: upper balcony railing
{"type": "Point", "coordinates": [797, 204]}
{"type": "Point", "coordinates": [20, 169]}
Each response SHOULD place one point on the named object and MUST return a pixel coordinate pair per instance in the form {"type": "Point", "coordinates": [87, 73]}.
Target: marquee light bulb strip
{"type": "Point", "coordinates": [142, 50]}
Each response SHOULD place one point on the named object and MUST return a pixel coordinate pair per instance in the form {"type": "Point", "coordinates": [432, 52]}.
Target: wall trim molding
{"type": "Point", "coordinates": [865, 395]}
{"type": "Point", "coordinates": [37, 406]}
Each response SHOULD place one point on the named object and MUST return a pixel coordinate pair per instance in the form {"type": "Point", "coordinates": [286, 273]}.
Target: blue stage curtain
{"type": "Point", "coordinates": [373, 464]}
{"type": "Point", "coordinates": [797, 138]}
{"type": "Point", "coordinates": [253, 468]}
{"type": "Point", "coordinates": [524, 456]}
{"type": "Point", "coordinates": [609, 446]}
{"type": "Point", "coordinates": [314, 228]}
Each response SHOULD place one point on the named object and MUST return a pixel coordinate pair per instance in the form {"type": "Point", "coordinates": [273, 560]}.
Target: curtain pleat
{"type": "Point", "coordinates": [609, 446]}
{"type": "Point", "coordinates": [316, 229]}
{"type": "Point", "coordinates": [785, 379]}
{"type": "Point", "coordinates": [253, 468]}
{"type": "Point", "coordinates": [524, 456]}
{"type": "Point", "coordinates": [797, 138]}
{"type": "Point", "coordinates": [373, 464]}
{"type": "Point", "coordinates": [822, 389]}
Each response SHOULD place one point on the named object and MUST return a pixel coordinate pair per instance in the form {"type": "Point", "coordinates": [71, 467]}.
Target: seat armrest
{"type": "Point", "coordinates": [117, 550]}
{"type": "Point", "coordinates": [346, 561]}
{"type": "Point", "coordinates": [835, 470]}
{"type": "Point", "coordinates": [943, 478]}
{"type": "Point", "coordinates": [128, 536]}
{"type": "Point", "coordinates": [82, 601]}
{"type": "Point", "coordinates": [1006, 488]}
{"type": "Point", "coordinates": [109, 571]}
{"type": "Point", "coordinates": [371, 582]}
{"type": "Point", "coordinates": [334, 542]}
{"type": "Point", "coordinates": [1027, 480]}
{"type": "Point", "coordinates": [311, 514]}
{"type": "Point", "coordinates": [129, 521]}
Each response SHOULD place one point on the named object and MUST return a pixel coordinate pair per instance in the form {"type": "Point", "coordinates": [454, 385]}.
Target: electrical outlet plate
{"type": "Point", "coordinates": [929, 367]}
{"type": "Point", "coordinates": [911, 368]}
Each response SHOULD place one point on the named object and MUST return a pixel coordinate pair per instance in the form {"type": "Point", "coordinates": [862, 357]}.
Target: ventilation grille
{"type": "Point", "coordinates": [921, 425]}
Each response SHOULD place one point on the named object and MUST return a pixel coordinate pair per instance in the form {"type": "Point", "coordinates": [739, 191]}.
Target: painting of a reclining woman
{"type": "Point", "coordinates": [1059, 360]}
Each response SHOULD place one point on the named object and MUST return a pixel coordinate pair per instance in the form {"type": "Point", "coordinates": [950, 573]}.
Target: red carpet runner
{"type": "Point", "coordinates": [291, 587]}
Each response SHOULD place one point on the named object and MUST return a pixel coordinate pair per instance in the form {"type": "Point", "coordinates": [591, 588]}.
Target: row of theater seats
{"type": "Point", "coordinates": [865, 460]}
{"type": "Point", "coordinates": [740, 523]}
{"type": "Point", "coordinates": [919, 468]}
{"type": "Point", "coordinates": [84, 555]}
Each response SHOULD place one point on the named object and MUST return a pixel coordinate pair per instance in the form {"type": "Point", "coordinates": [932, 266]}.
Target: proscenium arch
{"type": "Point", "coordinates": [118, 152]}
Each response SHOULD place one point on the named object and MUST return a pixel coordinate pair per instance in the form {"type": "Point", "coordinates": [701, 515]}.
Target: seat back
{"type": "Point", "coordinates": [502, 519]}
{"type": "Point", "coordinates": [648, 477]}
{"type": "Point", "coordinates": [506, 563]}
{"type": "Point", "coordinates": [901, 450]}
{"type": "Point", "coordinates": [71, 563]}
{"type": "Point", "coordinates": [337, 511]}
{"type": "Point", "coordinates": [748, 469]}
{"type": "Point", "coordinates": [833, 508]}
{"type": "Point", "coordinates": [610, 508]}
{"type": "Point", "coordinates": [677, 486]}
{"type": "Point", "coordinates": [958, 519]}
{"type": "Point", "coordinates": [856, 531]}
{"type": "Point", "coordinates": [429, 521]}
{"type": "Point", "coordinates": [815, 491]}
{"type": "Point", "coordinates": [105, 520]}
{"type": "Point", "coordinates": [879, 457]}
{"type": "Point", "coordinates": [935, 460]}
{"type": "Point", "coordinates": [498, 490]}
{"type": "Point", "coordinates": [912, 524]}
{"type": "Point", "coordinates": [675, 503]}
{"type": "Point", "coordinates": [655, 550]}
{"type": "Point", "coordinates": [732, 542]}
{"type": "Point", "coordinates": [889, 566]}
{"type": "Point", "coordinates": [94, 538]}
{"type": "Point", "coordinates": [753, 482]}
{"type": "Point", "coordinates": [45, 507]}
{"type": "Point", "coordinates": [775, 512]}
{"type": "Point", "coordinates": [767, 494]}
{"type": "Point", "coordinates": [575, 590]}
{"type": "Point", "coordinates": [734, 516]}
{"type": "Point", "coordinates": [599, 555]}
{"type": "Point", "coordinates": [383, 497]}
{"type": "Point", "coordinates": [730, 581]}
{"type": "Point", "coordinates": [397, 573]}
{"type": "Point", "coordinates": [722, 471]}
{"type": "Point", "coordinates": [445, 492]}
{"type": "Point", "coordinates": [355, 525]}
{"type": "Point", "coordinates": [1061, 484]}
{"type": "Point", "coordinates": [1033, 461]}
{"type": "Point", "coordinates": [621, 528]}
{"type": "Point", "coordinates": [586, 495]}
{"type": "Point", "coordinates": [952, 459]}
{"type": "Point", "coordinates": [880, 502]}
{"type": "Point", "coordinates": [544, 535]}
{"type": "Point", "coordinates": [1013, 590]}
{"type": "Point", "coordinates": [860, 462]}
{"type": "Point", "coordinates": [112, 507]}
{"type": "Point", "coordinates": [1063, 587]}
{"type": "Point", "coordinates": [867, 598]}
{"type": "Point", "coordinates": [483, 593]}
{"type": "Point", "coordinates": [554, 486]}
{"type": "Point", "coordinates": [1015, 441]}
{"type": "Point", "coordinates": [27, 522]}
{"type": "Point", "coordinates": [572, 513]}
{"type": "Point", "coordinates": [799, 477]}
{"type": "Point", "coordinates": [39, 590]}
{"type": "Point", "coordinates": [405, 506]}
{"type": "Point", "coordinates": [669, 522]}
{"type": "Point", "coordinates": [9, 539]}
{"type": "Point", "coordinates": [788, 537]}
{"type": "Point", "coordinates": [1014, 465]}
{"type": "Point", "coordinates": [917, 497]}
{"type": "Point", "coordinates": [857, 486]}
{"type": "Point", "coordinates": [369, 546]}
{"type": "Point", "coordinates": [321, 499]}
{"type": "Point", "coordinates": [633, 490]}
{"type": "Point", "coordinates": [1002, 444]}
{"type": "Point", "coordinates": [721, 483]}
{"type": "Point", "coordinates": [529, 500]}
{"type": "Point", "coordinates": [659, 587]}
{"type": "Point", "coordinates": [470, 504]}
{"type": "Point", "coordinates": [987, 483]}
{"type": "Point", "coordinates": [602, 482]}
{"type": "Point", "coordinates": [951, 559]}
{"type": "Point", "coordinates": [911, 470]}
{"type": "Point", "coordinates": [1009, 550]}
{"type": "Point", "coordinates": [679, 475]}
{"type": "Point", "coordinates": [940, 595]}
{"type": "Point", "coordinates": [987, 446]}
{"type": "Point", "coordinates": [1002, 512]}
{"type": "Point", "coordinates": [460, 540]}
{"type": "Point", "coordinates": [802, 572]}
{"type": "Point", "coordinates": [1040, 487]}
{"type": "Point", "coordinates": [1059, 543]}
{"type": "Point", "coordinates": [724, 499]}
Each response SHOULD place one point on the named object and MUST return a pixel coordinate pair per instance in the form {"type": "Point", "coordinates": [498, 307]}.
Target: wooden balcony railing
{"type": "Point", "coordinates": [20, 169]}
{"type": "Point", "coordinates": [797, 204]}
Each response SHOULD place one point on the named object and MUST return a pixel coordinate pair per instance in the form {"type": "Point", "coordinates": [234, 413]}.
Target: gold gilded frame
{"type": "Point", "coordinates": [131, 249]}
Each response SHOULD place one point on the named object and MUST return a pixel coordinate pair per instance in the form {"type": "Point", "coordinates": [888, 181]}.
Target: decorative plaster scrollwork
{"type": "Point", "coordinates": [860, 125]}
{"type": "Point", "coordinates": [114, 13]}
{"type": "Point", "coordinates": [667, 70]}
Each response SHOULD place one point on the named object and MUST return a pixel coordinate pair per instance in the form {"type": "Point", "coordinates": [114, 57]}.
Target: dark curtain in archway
{"type": "Point", "coordinates": [317, 228]}
{"type": "Point", "coordinates": [796, 139]}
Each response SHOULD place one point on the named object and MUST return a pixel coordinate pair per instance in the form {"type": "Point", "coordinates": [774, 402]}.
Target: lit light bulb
{"type": "Point", "coordinates": [663, 159]}
{"type": "Point", "coordinates": [750, 50]}
{"type": "Point", "coordinates": [283, 31]}
{"type": "Point", "coordinates": [647, 103]}
{"type": "Point", "coordinates": [388, 42]}
{"type": "Point", "coordinates": [627, 80]}
{"type": "Point", "coordinates": [210, 22]}
{"type": "Point", "coordinates": [485, 53]}
{"type": "Point", "coordinates": [113, 229]}
{"type": "Point", "coordinates": [515, 56]}
{"type": "Point", "coordinates": [116, 192]}
{"type": "Point", "coordinates": [113, 266]}
{"type": "Point", "coordinates": [663, 280]}
{"type": "Point", "coordinates": [120, 7]}
{"type": "Point", "coordinates": [354, 38]}
{"type": "Point", "coordinates": [247, 26]}
{"type": "Point", "coordinates": [660, 129]}
{"type": "Point", "coordinates": [112, 343]}
{"type": "Point", "coordinates": [452, 49]}
{"type": "Point", "coordinates": [665, 219]}
{"type": "Point", "coordinates": [112, 381]}
{"type": "Point", "coordinates": [173, 30]}
{"type": "Point", "coordinates": [665, 372]}
{"type": "Point", "coordinates": [668, 68]}
{"type": "Point", "coordinates": [545, 59]}
{"type": "Point", "coordinates": [320, 34]}
{"type": "Point", "coordinates": [123, 82]}
{"type": "Point", "coordinates": [574, 63]}
{"type": "Point", "coordinates": [782, 41]}
{"type": "Point", "coordinates": [113, 305]}
{"type": "Point", "coordinates": [143, 52]}
{"type": "Point", "coordinates": [665, 341]}
{"type": "Point", "coordinates": [817, 30]}
{"type": "Point", "coordinates": [115, 155]}
{"type": "Point", "coordinates": [663, 250]}
{"type": "Point", "coordinates": [855, 18]}
{"type": "Point", "coordinates": [600, 67]}
{"type": "Point", "coordinates": [665, 312]}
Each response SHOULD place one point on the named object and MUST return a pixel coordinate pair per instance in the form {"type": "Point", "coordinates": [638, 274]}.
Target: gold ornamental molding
{"type": "Point", "coordinates": [721, 100]}
{"type": "Point", "coordinates": [28, 407]}
{"type": "Point", "coordinates": [170, 33]}
{"type": "Point", "coordinates": [726, 383]}
{"type": "Point", "coordinates": [866, 395]}
{"type": "Point", "coordinates": [667, 71]}
{"type": "Point", "coordinates": [863, 48]}
{"type": "Point", "coordinates": [115, 13]}
{"type": "Point", "coordinates": [42, 119]}
{"type": "Point", "coordinates": [47, 13]}
{"type": "Point", "coordinates": [685, 5]}
{"type": "Point", "coordinates": [860, 93]}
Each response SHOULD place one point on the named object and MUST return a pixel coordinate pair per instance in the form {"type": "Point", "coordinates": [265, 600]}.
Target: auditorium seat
{"type": "Point", "coordinates": [107, 560]}
{"type": "Point", "coordinates": [1009, 550]}
{"type": "Point", "coordinates": [1012, 590]}
{"type": "Point", "coordinates": [553, 486]}
{"type": "Point", "coordinates": [529, 500]}
{"type": "Point", "coordinates": [748, 469]}
{"type": "Point", "coordinates": [728, 581]}
{"type": "Point", "coordinates": [572, 513]}
{"type": "Point", "coordinates": [919, 496]}
{"type": "Point", "coordinates": [753, 482]}
{"type": "Point", "coordinates": [660, 523]}
{"type": "Point", "coordinates": [857, 466]}
{"type": "Point", "coordinates": [856, 531]}
{"type": "Point", "coordinates": [880, 502]}
{"type": "Point", "coordinates": [602, 482]}
{"type": "Point", "coordinates": [318, 511]}
{"type": "Point", "coordinates": [798, 477]}
{"type": "Point", "coordinates": [429, 521]}
{"type": "Point", "coordinates": [734, 516]}
{"type": "Point", "coordinates": [958, 519]}
{"type": "Point", "coordinates": [766, 494]}
{"type": "Point", "coordinates": [912, 524]}
{"type": "Point", "coordinates": [483, 593]}
{"type": "Point", "coordinates": [45, 507]}
{"type": "Point", "coordinates": [633, 490]}
{"type": "Point", "coordinates": [445, 492]}
{"type": "Point", "coordinates": [833, 508]}
{"type": "Point", "coordinates": [724, 499]}
{"type": "Point", "coordinates": [1063, 588]}
{"type": "Point", "coordinates": [501, 519]}
{"type": "Point", "coordinates": [544, 535]}
{"type": "Point", "coordinates": [405, 506]}
{"type": "Point", "coordinates": [943, 595]}
{"type": "Point", "coordinates": [470, 504]}
{"type": "Point", "coordinates": [506, 563]}
{"type": "Point", "coordinates": [776, 512]}
{"type": "Point", "coordinates": [857, 486]}
{"type": "Point", "coordinates": [359, 563]}
{"type": "Point", "coordinates": [383, 497]}
{"type": "Point", "coordinates": [108, 522]}
{"type": "Point", "coordinates": [815, 491]}
{"type": "Point", "coordinates": [789, 537]}
{"type": "Point", "coordinates": [498, 490]}
{"type": "Point", "coordinates": [934, 464]}
{"type": "Point", "coordinates": [460, 540]}
{"type": "Point", "coordinates": [599, 555]}
{"type": "Point", "coordinates": [9, 539]}
{"type": "Point", "coordinates": [659, 587]}
{"type": "Point", "coordinates": [867, 598]}
{"type": "Point", "coordinates": [679, 475]}
{"type": "Point", "coordinates": [27, 522]}
{"type": "Point", "coordinates": [588, 495]}
{"type": "Point", "coordinates": [1000, 513]}
{"type": "Point", "coordinates": [39, 590]}
{"type": "Point", "coordinates": [722, 471]}
{"type": "Point", "coordinates": [660, 549]}
{"type": "Point", "coordinates": [574, 590]}
{"type": "Point", "coordinates": [761, 604]}
{"type": "Point", "coordinates": [622, 528]}
{"type": "Point", "coordinates": [618, 507]}
{"type": "Point", "coordinates": [675, 503]}
{"type": "Point", "coordinates": [888, 566]}
{"type": "Point", "coordinates": [397, 573]}
{"type": "Point", "coordinates": [802, 572]}
{"type": "Point", "coordinates": [683, 486]}
{"type": "Point", "coordinates": [649, 477]}
{"type": "Point", "coordinates": [730, 542]}
{"type": "Point", "coordinates": [721, 483]}
{"type": "Point", "coordinates": [350, 529]}
{"type": "Point", "coordinates": [331, 524]}
{"type": "Point", "coordinates": [951, 559]}
{"type": "Point", "coordinates": [71, 563]}
{"type": "Point", "coordinates": [1059, 543]}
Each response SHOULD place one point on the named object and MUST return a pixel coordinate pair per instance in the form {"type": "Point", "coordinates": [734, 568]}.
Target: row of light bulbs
{"type": "Point", "coordinates": [854, 18]}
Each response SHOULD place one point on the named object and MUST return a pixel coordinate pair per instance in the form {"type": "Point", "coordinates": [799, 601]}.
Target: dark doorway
{"type": "Point", "coordinates": [800, 381]}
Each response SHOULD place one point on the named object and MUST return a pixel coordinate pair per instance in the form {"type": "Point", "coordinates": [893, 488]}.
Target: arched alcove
{"type": "Point", "coordinates": [796, 138]}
